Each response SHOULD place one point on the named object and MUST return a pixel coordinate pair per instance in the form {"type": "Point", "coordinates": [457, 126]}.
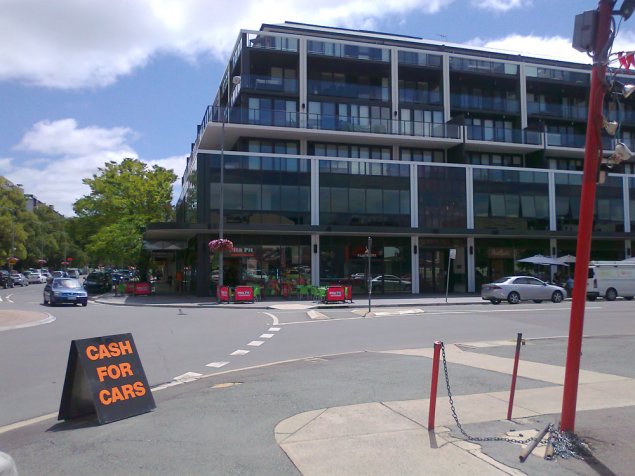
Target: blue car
{"type": "Point", "coordinates": [65, 291]}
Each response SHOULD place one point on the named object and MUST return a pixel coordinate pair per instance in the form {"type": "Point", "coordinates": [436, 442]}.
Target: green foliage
{"type": "Point", "coordinates": [124, 198]}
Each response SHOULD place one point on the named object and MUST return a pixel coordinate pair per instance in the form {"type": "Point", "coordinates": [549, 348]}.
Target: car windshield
{"type": "Point", "coordinates": [67, 283]}
{"type": "Point", "coordinates": [501, 280]}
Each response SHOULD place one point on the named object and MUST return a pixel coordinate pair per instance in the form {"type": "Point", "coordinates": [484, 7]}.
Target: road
{"type": "Point", "coordinates": [174, 343]}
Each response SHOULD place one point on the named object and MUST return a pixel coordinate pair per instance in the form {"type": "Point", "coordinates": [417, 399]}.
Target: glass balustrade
{"type": "Point", "coordinates": [484, 103]}
{"type": "Point", "coordinates": [348, 90]}
{"type": "Point", "coordinates": [269, 83]}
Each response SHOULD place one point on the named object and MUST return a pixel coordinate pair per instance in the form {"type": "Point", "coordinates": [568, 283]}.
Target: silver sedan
{"type": "Point", "coordinates": [514, 289]}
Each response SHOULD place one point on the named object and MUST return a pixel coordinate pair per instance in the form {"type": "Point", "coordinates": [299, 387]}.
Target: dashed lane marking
{"type": "Point", "coordinates": [274, 329]}
{"type": "Point", "coordinates": [256, 343]}
{"type": "Point", "coordinates": [275, 319]}
{"type": "Point", "coordinates": [266, 336]}
{"type": "Point", "coordinates": [216, 365]}
{"type": "Point", "coordinates": [239, 352]}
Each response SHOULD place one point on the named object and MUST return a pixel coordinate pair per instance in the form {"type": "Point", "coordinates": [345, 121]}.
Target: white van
{"type": "Point", "coordinates": [611, 279]}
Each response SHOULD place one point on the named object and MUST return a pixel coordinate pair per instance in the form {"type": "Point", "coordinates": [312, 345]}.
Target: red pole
{"type": "Point", "coordinates": [512, 391]}
{"type": "Point", "coordinates": [592, 158]}
{"type": "Point", "coordinates": [433, 384]}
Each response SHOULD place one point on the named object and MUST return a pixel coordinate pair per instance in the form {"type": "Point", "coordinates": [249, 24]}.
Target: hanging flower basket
{"type": "Point", "coordinates": [41, 262]}
{"type": "Point", "coordinates": [65, 263]}
{"type": "Point", "coordinates": [12, 260]}
{"type": "Point", "coordinates": [221, 244]}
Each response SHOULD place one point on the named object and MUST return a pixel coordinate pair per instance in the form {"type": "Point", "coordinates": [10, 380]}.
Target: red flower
{"type": "Point", "coordinates": [220, 244]}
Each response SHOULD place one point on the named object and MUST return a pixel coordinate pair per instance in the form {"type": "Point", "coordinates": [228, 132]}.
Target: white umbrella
{"type": "Point", "coordinates": [566, 259]}
{"type": "Point", "coordinates": [544, 260]}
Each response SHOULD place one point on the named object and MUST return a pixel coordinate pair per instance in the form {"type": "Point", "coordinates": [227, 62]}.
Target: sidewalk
{"type": "Point", "coordinates": [188, 301]}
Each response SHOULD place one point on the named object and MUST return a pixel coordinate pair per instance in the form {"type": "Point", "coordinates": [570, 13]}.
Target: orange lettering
{"type": "Point", "coordinates": [125, 347]}
{"type": "Point", "coordinates": [113, 347]}
{"type": "Point", "coordinates": [139, 389]}
{"type": "Point", "coordinates": [101, 373]}
{"type": "Point", "coordinates": [90, 352]}
{"type": "Point", "coordinates": [116, 395]}
{"type": "Point", "coordinates": [104, 397]}
{"type": "Point", "coordinates": [126, 369]}
{"type": "Point", "coordinates": [127, 391]}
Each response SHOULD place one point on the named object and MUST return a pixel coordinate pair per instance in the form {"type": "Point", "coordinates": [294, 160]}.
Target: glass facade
{"type": "Point", "coordinates": [278, 265]}
{"type": "Point", "coordinates": [495, 258]}
{"type": "Point", "coordinates": [343, 260]}
{"type": "Point", "coordinates": [439, 209]}
{"type": "Point", "coordinates": [261, 190]}
{"type": "Point", "coordinates": [364, 193]}
{"type": "Point", "coordinates": [511, 199]}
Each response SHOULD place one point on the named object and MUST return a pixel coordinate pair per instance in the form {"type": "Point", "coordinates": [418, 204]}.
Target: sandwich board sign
{"type": "Point", "coordinates": [104, 376]}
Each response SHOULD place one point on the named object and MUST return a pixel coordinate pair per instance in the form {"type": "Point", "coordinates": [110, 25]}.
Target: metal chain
{"type": "Point", "coordinates": [564, 444]}
{"type": "Point", "coordinates": [456, 417]}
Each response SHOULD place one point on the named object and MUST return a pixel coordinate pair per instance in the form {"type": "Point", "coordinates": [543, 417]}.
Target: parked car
{"type": "Point", "coordinates": [390, 282]}
{"type": "Point", "coordinates": [36, 277]}
{"type": "Point", "coordinates": [521, 288]}
{"type": "Point", "coordinates": [98, 282]}
{"type": "Point", "coordinates": [19, 279]}
{"type": "Point", "coordinates": [73, 273]}
{"type": "Point", "coordinates": [65, 291]}
{"type": "Point", "coordinates": [5, 279]}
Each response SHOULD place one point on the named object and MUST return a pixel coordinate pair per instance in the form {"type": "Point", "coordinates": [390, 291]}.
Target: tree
{"type": "Point", "coordinates": [124, 198]}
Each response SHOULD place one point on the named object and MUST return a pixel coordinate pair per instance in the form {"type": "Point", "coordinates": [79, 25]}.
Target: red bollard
{"type": "Point", "coordinates": [512, 391]}
{"type": "Point", "coordinates": [433, 384]}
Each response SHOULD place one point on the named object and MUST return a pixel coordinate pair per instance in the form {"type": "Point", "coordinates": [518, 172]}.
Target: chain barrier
{"type": "Point", "coordinates": [565, 445]}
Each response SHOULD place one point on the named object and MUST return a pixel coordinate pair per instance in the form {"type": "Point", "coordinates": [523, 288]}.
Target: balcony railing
{"type": "Point", "coordinates": [268, 42]}
{"type": "Point", "coordinates": [419, 96]}
{"type": "Point", "coordinates": [558, 110]}
{"type": "Point", "coordinates": [500, 134]}
{"type": "Point", "coordinates": [555, 139]}
{"type": "Point", "coordinates": [282, 118]}
{"type": "Point", "coordinates": [482, 103]}
{"type": "Point", "coordinates": [348, 90]}
{"type": "Point", "coordinates": [269, 83]}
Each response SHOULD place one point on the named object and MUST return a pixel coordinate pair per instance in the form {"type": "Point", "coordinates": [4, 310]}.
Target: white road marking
{"type": "Point", "coordinates": [266, 336]}
{"type": "Point", "coordinates": [239, 352]}
{"type": "Point", "coordinates": [274, 329]}
{"type": "Point", "coordinates": [256, 343]}
{"type": "Point", "coordinates": [187, 377]}
{"type": "Point", "coordinates": [216, 365]}
{"type": "Point", "coordinates": [30, 421]}
{"type": "Point", "coordinates": [275, 319]}
{"type": "Point", "coordinates": [8, 298]}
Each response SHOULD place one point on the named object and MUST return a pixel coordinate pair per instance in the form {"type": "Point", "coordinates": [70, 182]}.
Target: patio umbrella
{"type": "Point", "coordinates": [566, 259]}
{"type": "Point", "coordinates": [542, 260]}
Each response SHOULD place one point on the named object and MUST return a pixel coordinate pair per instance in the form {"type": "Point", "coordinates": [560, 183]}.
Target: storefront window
{"type": "Point", "coordinates": [438, 208]}
{"type": "Point", "coordinates": [343, 260]}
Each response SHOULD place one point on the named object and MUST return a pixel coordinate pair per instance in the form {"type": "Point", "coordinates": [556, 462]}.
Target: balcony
{"type": "Point", "coordinates": [270, 42]}
{"type": "Point", "coordinates": [269, 83]}
{"type": "Point", "coordinates": [348, 90]}
{"type": "Point", "coordinates": [471, 102]}
{"type": "Point", "coordinates": [557, 110]}
{"type": "Point", "coordinates": [499, 134]}
{"type": "Point", "coordinates": [419, 96]}
{"type": "Point", "coordinates": [442, 135]}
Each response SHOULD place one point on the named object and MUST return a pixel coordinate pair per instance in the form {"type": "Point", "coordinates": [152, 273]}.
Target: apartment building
{"type": "Point", "coordinates": [329, 137]}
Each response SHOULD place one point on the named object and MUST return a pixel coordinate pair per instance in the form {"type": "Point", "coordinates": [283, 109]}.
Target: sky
{"type": "Point", "coordinates": [84, 82]}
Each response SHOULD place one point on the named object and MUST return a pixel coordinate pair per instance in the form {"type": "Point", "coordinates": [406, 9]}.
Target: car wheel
{"type": "Point", "coordinates": [557, 297]}
{"type": "Point", "coordinates": [495, 301]}
{"type": "Point", "coordinates": [537, 301]}
{"type": "Point", "coordinates": [628, 298]}
{"type": "Point", "coordinates": [513, 298]}
{"type": "Point", "coordinates": [611, 294]}
{"type": "Point", "coordinates": [45, 301]}
{"type": "Point", "coordinates": [84, 304]}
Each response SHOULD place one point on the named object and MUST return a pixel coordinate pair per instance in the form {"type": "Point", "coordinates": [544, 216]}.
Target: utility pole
{"type": "Point", "coordinates": [592, 158]}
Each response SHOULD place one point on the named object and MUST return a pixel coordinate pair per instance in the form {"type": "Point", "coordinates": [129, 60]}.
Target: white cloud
{"type": "Point", "coordinates": [80, 43]}
{"type": "Point", "coordinates": [554, 47]}
{"type": "Point", "coordinates": [500, 5]}
{"type": "Point", "coordinates": [66, 154]}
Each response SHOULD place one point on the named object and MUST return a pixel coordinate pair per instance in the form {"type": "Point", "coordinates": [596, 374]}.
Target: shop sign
{"type": "Point", "coordinates": [241, 252]}
{"type": "Point", "coordinates": [104, 376]}
{"type": "Point", "coordinates": [243, 294]}
{"type": "Point", "coordinates": [500, 253]}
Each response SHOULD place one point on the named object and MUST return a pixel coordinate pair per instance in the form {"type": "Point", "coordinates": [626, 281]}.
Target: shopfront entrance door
{"type": "Point", "coordinates": [432, 265]}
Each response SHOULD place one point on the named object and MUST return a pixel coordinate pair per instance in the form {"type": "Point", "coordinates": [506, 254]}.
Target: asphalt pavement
{"type": "Point", "coordinates": [359, 413]}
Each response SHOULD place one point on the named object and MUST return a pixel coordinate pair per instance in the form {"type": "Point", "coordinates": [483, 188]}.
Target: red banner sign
{"type": "Point", "coordinates": [223, 294]}
{"type": "Point", "coordinates": [335, 294]}
{"type": "Point", "coordinates": [142, 289]}
{"type": "Point", "coordinates": [243, 294]}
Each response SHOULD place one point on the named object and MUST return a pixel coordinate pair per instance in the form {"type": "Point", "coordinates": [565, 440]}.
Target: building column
{"type": "Point", "coordinates": [302, 82]}
{"type": "Point", "coordinates": [414, 268]}
{"type": "Point", "coordinates": [471, 265]}
{"type": "Point", "coordinates": [523, 96]}
{"type": "Point", "coordinates": [315, 191]}
{"type": "Point", "coordinates": [445, 84]}
{"type": "Point", "coordinates": [203, 278]}
{"type": "Point", "coordinates": [626, 200]}
{"type": "Point", "coordinates": [315, 260]}
{"type": "Point", "coordinates": [394, 90]}
{"type": "Point", "coordinates": [553, 225]}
